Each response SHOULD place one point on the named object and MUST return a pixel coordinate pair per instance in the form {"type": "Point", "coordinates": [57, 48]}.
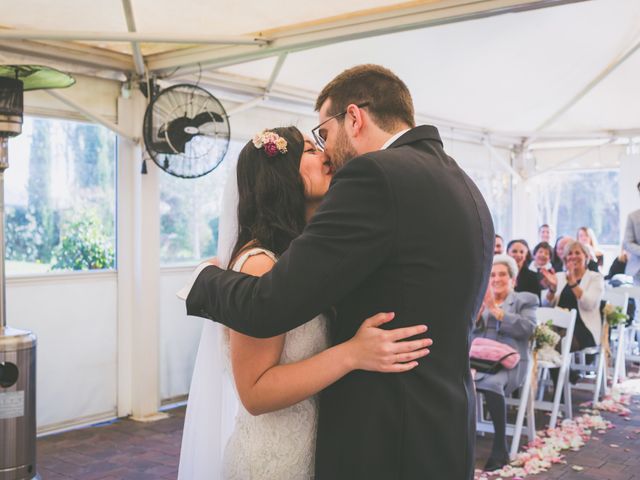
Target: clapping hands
{"type": "Point", "coordinates": [549, 279]}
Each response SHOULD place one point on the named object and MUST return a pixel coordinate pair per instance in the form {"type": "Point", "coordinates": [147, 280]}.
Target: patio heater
{"type": "Point", "coordinates": [17, 347]}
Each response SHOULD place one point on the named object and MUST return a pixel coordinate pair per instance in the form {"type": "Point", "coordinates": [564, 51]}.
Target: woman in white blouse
{"type": "Point", "coordinates": [578, 288]}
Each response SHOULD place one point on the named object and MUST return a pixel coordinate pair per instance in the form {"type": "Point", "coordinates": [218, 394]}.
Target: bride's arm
{"type": "Point", "coordinates": [265, 386]}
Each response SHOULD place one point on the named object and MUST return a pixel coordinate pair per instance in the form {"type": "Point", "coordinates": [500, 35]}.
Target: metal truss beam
{"type": "Point", "coordinates": [344, 29]}
{"type": "Point", "coordinates": [75, 53]}
{"type": "Point", "coordinates": [128, 37]}
{"type": "Point", "coordinates": [614, 64]}
{"type": "Point", "coordinates": [138, 59]}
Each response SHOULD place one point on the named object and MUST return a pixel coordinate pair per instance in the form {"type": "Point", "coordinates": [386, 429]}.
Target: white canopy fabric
{"type": "Point", "coordinates": [508, 69]}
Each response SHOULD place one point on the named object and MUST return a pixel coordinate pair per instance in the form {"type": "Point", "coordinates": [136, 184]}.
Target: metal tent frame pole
{"type": "Point", "coordinates": [4, 164]}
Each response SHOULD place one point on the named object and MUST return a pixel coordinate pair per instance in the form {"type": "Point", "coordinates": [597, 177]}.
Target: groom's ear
{"type": "Point", "coordinates": [355, 120]}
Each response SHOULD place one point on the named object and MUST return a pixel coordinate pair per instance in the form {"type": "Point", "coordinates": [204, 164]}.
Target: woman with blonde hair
{"type": "Point", "coordinates": [580, 289]}
{"type": "Point", "coordinates": [587, 237]}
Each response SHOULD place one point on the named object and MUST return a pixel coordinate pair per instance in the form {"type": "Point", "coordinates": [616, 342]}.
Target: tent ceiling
{"type": "Point", "coordinates": [504, 74]}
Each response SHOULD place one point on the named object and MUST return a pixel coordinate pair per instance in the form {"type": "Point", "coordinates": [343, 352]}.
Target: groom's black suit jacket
{"type": "Point", "coordinates": [401, 230]}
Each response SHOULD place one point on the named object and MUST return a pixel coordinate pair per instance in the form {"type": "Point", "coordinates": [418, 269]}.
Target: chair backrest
{"type": "Point", "coordinates": [634, 292]}
{"type": "Point", "coordinates": [618, 297]}
{"type": "Point", "coordinates": [560, 318]}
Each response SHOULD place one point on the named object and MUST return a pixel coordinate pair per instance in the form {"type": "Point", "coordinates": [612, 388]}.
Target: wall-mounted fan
{"type": "Point", "coordinates": [186, 131]}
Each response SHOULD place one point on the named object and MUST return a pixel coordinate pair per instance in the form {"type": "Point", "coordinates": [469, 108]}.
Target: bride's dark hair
{"type": "Point", "coordinates": [271, 202]}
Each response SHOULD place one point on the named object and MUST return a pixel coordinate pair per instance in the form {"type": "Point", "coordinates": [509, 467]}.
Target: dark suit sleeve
{"type": "Point", "coordinates": [346, 240]}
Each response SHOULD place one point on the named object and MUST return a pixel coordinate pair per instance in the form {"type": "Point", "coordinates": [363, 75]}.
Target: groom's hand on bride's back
{"type": "Point", "coordinates": [376, 349]}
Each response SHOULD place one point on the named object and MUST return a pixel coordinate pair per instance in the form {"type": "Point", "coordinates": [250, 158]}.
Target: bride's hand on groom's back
{"type": "Point", "coordinates": [379, 350]}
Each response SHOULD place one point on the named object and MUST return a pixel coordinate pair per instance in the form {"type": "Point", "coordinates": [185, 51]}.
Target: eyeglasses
{"type": "Point", "coordinates": [320, 136]}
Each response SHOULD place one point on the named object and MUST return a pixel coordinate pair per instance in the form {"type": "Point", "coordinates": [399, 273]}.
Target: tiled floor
{"type": "Point", "coordinates": [128, 450]}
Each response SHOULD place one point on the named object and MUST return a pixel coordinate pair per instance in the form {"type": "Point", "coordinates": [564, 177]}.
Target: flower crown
{"type": "Point", "coordinates": [271, 141]}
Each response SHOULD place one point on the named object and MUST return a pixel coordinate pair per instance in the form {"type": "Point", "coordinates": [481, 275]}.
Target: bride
{"type": "Point", "coordinates": [281, 179]}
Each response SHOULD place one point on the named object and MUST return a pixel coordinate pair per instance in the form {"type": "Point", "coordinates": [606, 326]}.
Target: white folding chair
{"type": "Point", "coordinates": [580, 363]}
{"type": "Point", "coordinates": [632, 332]}
{"type": "Point", "coordinates": [618, 298]}
{"type": "Point", "coordinates": [524, 404]}
{"type": "Point", "coordinates": [562, 319]}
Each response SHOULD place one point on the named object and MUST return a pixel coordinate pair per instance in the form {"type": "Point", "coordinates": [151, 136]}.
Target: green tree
{"type": "Point", "coordinates": [20, 227]}
{"type": "Point", "coordinates": [92, 151]}
{"type": "Point", "coordinates": [211, 249]}
{"type": "Point", "coordinates": [46, 233]}
{"type": "Point", "coordinates": [84, 244]}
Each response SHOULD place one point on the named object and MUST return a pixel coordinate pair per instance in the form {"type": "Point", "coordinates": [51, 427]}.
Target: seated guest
{"type": "Point", "coordinates": [618, 266]}
{"type": "Point", "coordinates": [542, 254]}
{"type": "Point", "coordinates": [527, 281]}
{"type": "Point", "coordinates": [544, 233]}
{"type": "Point", "coordinates": [508, 317]}
{"type": "Point", "coordinates": [498, 247]}
{"type": "Point", "coordinates": [587, 237]}
{"type": "Point", "coordinates": [558, 251]}
{"type": "Point", "coordinates": [580, 289]}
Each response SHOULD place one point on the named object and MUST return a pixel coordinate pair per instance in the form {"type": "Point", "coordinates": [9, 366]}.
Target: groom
{"type": "Point", "coordinates": [402, 229]}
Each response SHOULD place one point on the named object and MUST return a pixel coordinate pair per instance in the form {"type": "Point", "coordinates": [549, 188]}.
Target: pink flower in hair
{"type": "Point", "coordinates": [270, 149]}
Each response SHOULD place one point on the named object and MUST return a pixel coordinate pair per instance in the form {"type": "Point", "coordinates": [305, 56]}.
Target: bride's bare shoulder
{"type": "Point", "coordinates": [257, 264]}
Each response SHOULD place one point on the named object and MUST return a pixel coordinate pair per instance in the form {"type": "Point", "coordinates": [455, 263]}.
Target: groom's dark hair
{"type": "Point", "coordinates": [388, 99]}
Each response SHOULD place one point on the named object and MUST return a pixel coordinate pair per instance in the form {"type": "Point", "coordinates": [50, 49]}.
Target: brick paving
{"type": "Point", "coordinates": [128, 450]}
{"type": "Point", "coordinates": [119, 450]}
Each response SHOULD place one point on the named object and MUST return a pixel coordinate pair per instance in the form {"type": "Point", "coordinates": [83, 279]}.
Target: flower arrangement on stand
{"type": "Point", "coordinates": [546, 339]}
{"type": "Point", "coordinates": [614, 315]}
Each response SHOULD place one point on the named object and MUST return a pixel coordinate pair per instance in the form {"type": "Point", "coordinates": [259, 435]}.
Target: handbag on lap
{"type": "Point", "coordinates": [490, 356]}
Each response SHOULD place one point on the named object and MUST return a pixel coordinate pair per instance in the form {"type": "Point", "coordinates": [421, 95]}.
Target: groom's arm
{"type": "Point", "coordinates": [346, 240]}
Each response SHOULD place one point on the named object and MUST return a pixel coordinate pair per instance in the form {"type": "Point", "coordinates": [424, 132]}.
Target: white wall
{"type": "Point", "coordinates": [74, 318]}
{"type": "Point", "coordinates": [179, 335]}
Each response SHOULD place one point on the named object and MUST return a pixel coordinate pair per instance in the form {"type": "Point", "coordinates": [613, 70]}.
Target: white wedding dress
{"type": "Point", "coordinates": [275, 446]}
{"type": "Point", "coordinates": [278, 445]}
{"type": "Point", "coordinates": [220, 439]}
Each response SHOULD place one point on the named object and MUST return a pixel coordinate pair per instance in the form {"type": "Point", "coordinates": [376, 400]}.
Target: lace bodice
{"type": "Point", "coordinates": [278, 445]}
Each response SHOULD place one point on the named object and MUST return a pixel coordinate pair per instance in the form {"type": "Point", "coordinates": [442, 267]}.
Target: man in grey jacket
{"type": "Point", "coordinates": [631, 244]}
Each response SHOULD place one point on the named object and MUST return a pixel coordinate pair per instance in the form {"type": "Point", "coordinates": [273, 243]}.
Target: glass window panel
{"type": "Point", "coordinates": [190, 211]}
{"type": "Point", "coordinates": [572, 199]}
{"type": "Point", "coordinates": [495, 187]}
{"type": "Point", "coordinates": [60, 197]}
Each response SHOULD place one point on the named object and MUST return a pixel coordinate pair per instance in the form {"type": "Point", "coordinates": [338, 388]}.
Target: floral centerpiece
{"type": "Point", "coordinates": [545, 340]}
{"type": "Point", "coordinates": [614, 315]}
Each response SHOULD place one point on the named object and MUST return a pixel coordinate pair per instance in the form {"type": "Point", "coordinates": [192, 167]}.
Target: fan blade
{"type": "Point", "coordinates": [176, 135]}
{"type": "Point", "coordinates": [206, 117]}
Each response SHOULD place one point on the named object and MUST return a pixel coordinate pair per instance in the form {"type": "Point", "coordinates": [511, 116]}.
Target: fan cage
{"type": "Point", "coordinates": [177, 164]}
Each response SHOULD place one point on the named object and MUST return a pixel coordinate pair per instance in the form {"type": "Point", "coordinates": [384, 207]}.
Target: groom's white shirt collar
{"type": "Point", "coordinates": [394, 138]}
